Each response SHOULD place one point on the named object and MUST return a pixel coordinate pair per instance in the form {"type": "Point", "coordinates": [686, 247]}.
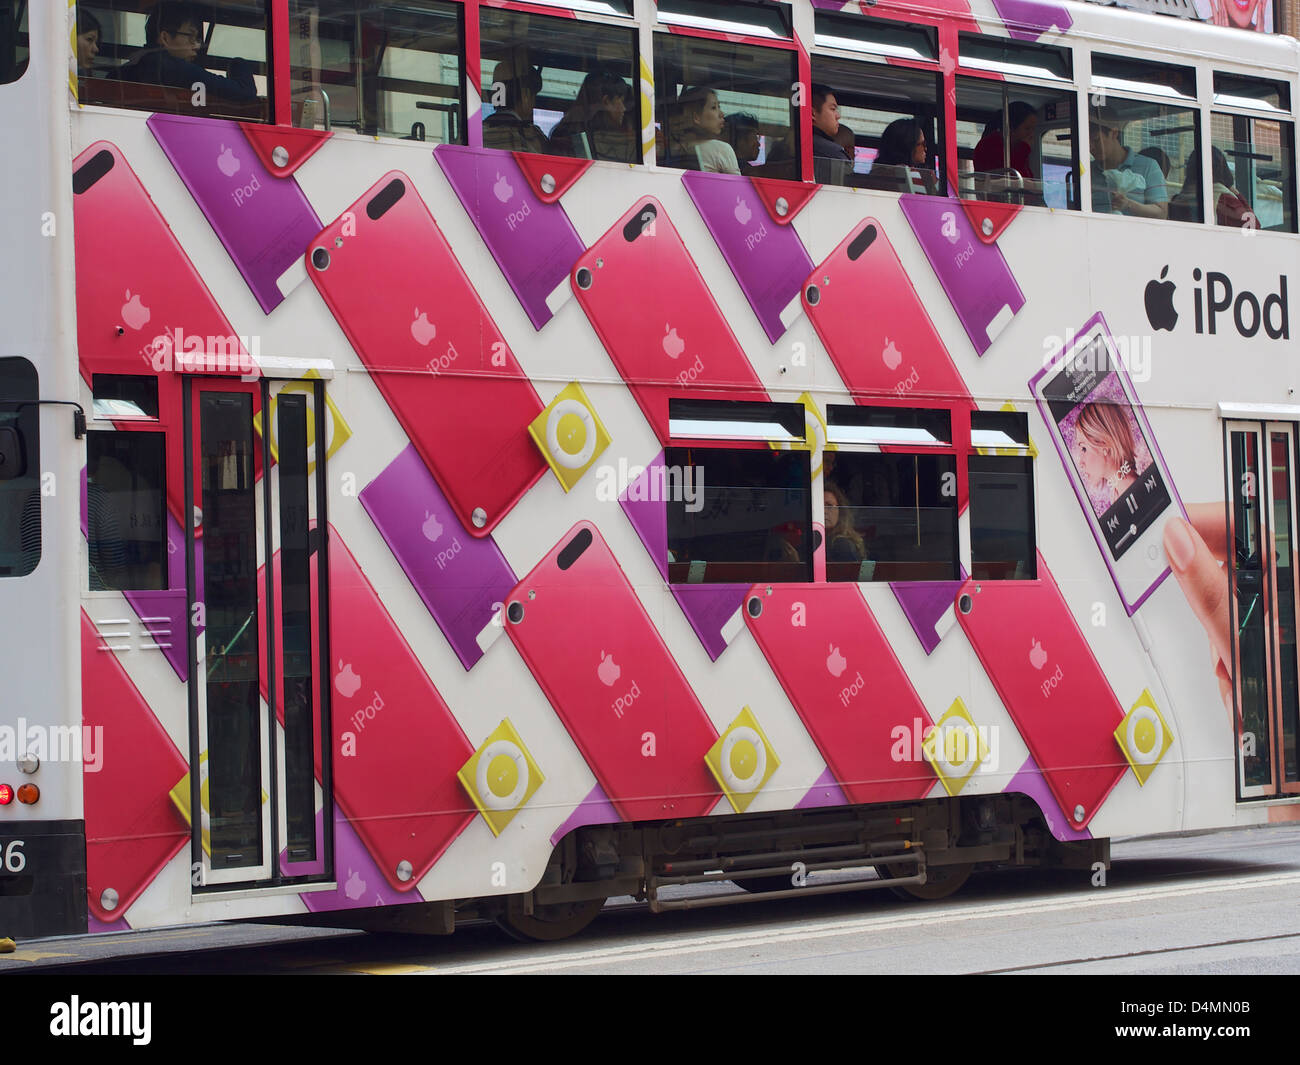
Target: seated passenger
{"type": "Point", "coordinates": [902, 151]}
{"type": "Point", "coordinates": [1230, 206]}
{"type": "Point", "coordinates": [593, 127]}
{"type": "Point", "coordinates": [694, 135]}
{"type": "Point", "coordinates": [89, 35]}
{"type": "Point", "coordinates": [172, 35]}
{"type": "Point", "coordinates": [843, 542]}
{"type": "Point", "coordinates": [988, 157]}
{"type": "Point", "coordinates": [1133, 183]}
{"type": "Point", "coordinates": [742, 134]}
{"type": "Point", "coordinates": [510, 127]}
{"type": "Point", "coordinates": [831, 165]}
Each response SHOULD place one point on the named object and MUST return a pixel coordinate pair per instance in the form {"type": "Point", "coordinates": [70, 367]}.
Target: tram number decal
{"type": "Point", "coordinates": [12, 858]}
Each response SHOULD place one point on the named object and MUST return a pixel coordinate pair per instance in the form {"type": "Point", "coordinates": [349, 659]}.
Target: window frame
{"type": "Point", "coordinates": [152, 427]}
{"type": "Point", "coordinates": [1026, 452]}
{"type": "Point", "coordinates": [1284, 118]}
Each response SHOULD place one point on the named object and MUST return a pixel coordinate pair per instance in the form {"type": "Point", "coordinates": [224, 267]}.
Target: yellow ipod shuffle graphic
{"type": "Point", "coordinates": [815, 434]}
{"type": "Point", "coordinates": [1031, 451]}
{"type": "Point", "coordinates": [1144, 736]}
{"type": "Point", "coordinates": [955, 748]}
{"type": "Point", "coordinates": [569, 435]}
{"type": "Point", "coordinates": [180, 796]}
{"type": "Point", "coordinates": [500, 777]}
{"type": "Point", "coordinates": [742, 760]}
{"type": "Point", "coordinates": [337, 431]}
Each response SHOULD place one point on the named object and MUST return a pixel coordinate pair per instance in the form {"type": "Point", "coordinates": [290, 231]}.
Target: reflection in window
{"type": "Point", "coordinates": [698, 83]}
{"type": "Point", "coordinates": [147, 56]}
{"type": "Point", "coordinates": [1253, 172]}
{"type": "Point", "coordinates": [1002, 518]}
{"type": "Point", "coordinates": [738, 516]}
{"type": "Point", "coordinates": [1145, 160]}
{"type": "Point", "coordinates": [387, 70]}
{"type": "Point", "coordinates": [888, 124]}
{"type": "Point", "coordinates": [15, 44]}
{"type": "Point", "coordinates": [891, 517]}
{"type": "Point", "coordinates": [126, 525]}
{"type": "Point", "coordinates": [1016, 144]}
{"type": "Point", "coordinates": [20, 465]}
{"type": "Point", "coordinates": [557, 86]}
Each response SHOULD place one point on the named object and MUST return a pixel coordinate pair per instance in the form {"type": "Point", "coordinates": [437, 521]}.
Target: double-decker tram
{"type": "Point", "coordinates": [478, 459]}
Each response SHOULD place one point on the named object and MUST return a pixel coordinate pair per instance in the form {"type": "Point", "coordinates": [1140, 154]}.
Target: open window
{"type": "Point", "coordinates": [1251, 155]}
{"type": "Point", "coordinates": [208, 59]}
{"type": "Point", "coordinates": [559, 86]}
{"type": "Point", "coordinates": [888, 98]}
{"type": "Point", "coordinates": [1001, 480]}
{"type": "Point", "coordinates": [20, 466]}
{"type": "Point", "coordinates": [387, 70]}
{"type": "Point", "coordinates": [1017, 135]}
{"type": "Point", "coordinates": [726, 104]}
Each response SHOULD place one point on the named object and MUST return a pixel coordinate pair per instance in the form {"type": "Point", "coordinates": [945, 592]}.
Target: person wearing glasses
{"type": "Point", "coordinates": [173, 33]}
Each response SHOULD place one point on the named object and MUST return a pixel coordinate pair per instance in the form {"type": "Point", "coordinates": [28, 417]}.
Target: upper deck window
{"type": "Point", "coordinates": [879, 37]}
{"type": "Point", "coordinates": [1258, 94]}
{"type": "Point", "coordinates": [387, 70]}
{"type": "Point", "coordinates": [999, 56]}
{"type": "Point", "coordinates": [724, 107]}
{"type": "Point", "coordinates": [177, 57]}
{"type": "Point", "coordinates": [559, 86]}
{"type": "Point", "coordinates": [15, 46]}
{"type": "Point", "coordinates": [741, 16]}
{"type": "Point", "coordinates": [1137, 75]}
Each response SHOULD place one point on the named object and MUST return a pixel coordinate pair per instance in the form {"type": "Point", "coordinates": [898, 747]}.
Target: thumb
{"type": "Point", "coordinates": [1203, 581]}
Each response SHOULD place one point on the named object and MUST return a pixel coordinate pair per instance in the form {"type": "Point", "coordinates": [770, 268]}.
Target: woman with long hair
{"type": "Point", "coordinates": [901, 156]}
{"type": "Point", "coordinates": [843, 542]}
{"type": "Point", "coordinates": [695, 133]}
{"type": "Point", "coordinates": [1104, 451]}
{"type": "Point", "coordinates": [594, 126]}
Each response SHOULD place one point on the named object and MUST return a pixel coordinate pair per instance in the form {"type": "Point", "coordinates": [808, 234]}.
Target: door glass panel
{"type": "Point", "coordinates": [1249, 611]}
{"type": "Point", "coordinates": [296, 621]}
{"type": "Point", "coordinates": [229, 507]}
{"type": "Point", "coordinates": [1284, 561]}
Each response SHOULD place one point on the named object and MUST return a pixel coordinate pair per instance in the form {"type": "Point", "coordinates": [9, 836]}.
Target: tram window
{"type": "Point", "coordinates": [729, 16]}
{"type": "Point", "coordinates": [1001, 497]}
{"type": "Point", "coordinates": [1000, 56]}
{"type": "Point", "coordinates": [1253, 172]}
{"type": "Point", "coordinates": [1113, 72]}
{"type": "Point", "coordinates": [1261, 94]}
{"type": "Point", "coordinates": [559, 86]}
{"type": "Point", "coordinates": [176, 57]}
{"type": "Point", "coordinates": [125, 396]}
{"type": "Point", "coordinates": [386, 70]}
{"type": "Point", "coordinates": [15, 45]}
{"type": "Point", "coordinates": [886, 114]}
{"type": "Point", "coordinates": [126, 524]}
{"type": "Point", "coordinates": [20, 466]}
{"type": "Point", "coordinates": [699, 82]}
{"type": "Point", "coordinates": [1017, 144]}
{"type": "Point", "coordinates": [1145, 159]}
{"type": "Point", "coordinates": [890, 517]}
{"type": "Point", "coordinates": [738, 516]}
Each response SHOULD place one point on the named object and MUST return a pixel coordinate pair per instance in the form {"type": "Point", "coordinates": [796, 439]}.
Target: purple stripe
{"type": "Point", "coordinates": [825, 792]}
{"type": "Point", "coordinates": [1027, 20]}
{"type": "Point", "coordinates": [360, 882]}
{"type": "Point", "coordinates": [1030, 781]}
{"type": "Point", "coordinates": [924, 603]}
{"type": "Point", "coordinates": [595, 809]}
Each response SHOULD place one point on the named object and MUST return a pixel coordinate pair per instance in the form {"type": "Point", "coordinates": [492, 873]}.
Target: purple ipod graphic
{"type": "Point", "coordinates": [769, 261]}
{"type": "Point", "coordinates": [708, 607]}
{"type": "Point", "coordinates": [925, 603]}
{"type": "Point", "coordinates": [460, 578]}
{"type": "Point", "coordinates": [1028, 20]}
{"type": "Point", "coordinates": [533, 242]}
{"type": "Point", "coordinates": [264, 221]}
{"type": "Point", "coordinates": [975, 276]}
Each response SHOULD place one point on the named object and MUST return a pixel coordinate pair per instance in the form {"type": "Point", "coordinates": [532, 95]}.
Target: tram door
{"type": "Point", "coordinates": [1263, 570]}
{"type": "Point", "coordinates": [255, 489]}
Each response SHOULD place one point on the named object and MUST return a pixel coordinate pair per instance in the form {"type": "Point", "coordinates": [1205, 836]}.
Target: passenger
{"type": "Point", "coordinates": [510, 127]}
{"type": "Point", "coordinates": [843, 542]}
{"type": "Point", "coordinates": [593, 127]}
{"type": "Point", "coordinates": [1105, 452]}
{"type": "Point", "coordinates": [1133, 183]}
{"type": "Point", "coordinates": [89, 34]}
{"type": "Point", "coordinates": [831, 164]}
{"type": "Point", "coordinates": [695, 132]}
{"type": "Point", "coordinates": [902, 150]}
{"type": "Point", "coordinates": [848, 140]}
{"type": "Point", "coordinates": [988, 156]}
{"type": "Point", "coordinates": [742, 134]}
{"type": "Point", "coordinates": [172, 35]}
{"type": "Point", "coordinates": [1230, 206]}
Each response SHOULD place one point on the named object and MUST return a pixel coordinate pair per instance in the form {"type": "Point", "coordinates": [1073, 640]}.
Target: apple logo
{"type": "Point", "coordinates": [422, 329]}
{"type": "Point", "coordinates": [948, 226]}
{"type": "Point", "coordinates": [743, 213]}
{"type": "Point", "coordinates": [1037, 656]}
{"type": "Point", "coordinates": [1160, 303]}
{"type": "Point", "coordinates": [355, 887]}
{"type": "Point", "coordinates": [346, 681]}
{"type": "Point", "coordinates": [432, 527]}
{"type": "Point", "coordinates": [673, 344]}
{"type": "Point", "coordinates": [134, 313]}
{"type": "Point", "coordinates": [836, 662]}
{"type": "Point", "coordinates": [503, 189]}
{"type": "Point", "coordinates": [228, 162]}
{"type": "Point", "coordinates": [608, 671]}
{"type": "Point", "coordinates": [891, 354]}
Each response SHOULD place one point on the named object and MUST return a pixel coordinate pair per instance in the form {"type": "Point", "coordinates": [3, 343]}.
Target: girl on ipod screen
{"type": "Point", "coordinates": [1107, 449]}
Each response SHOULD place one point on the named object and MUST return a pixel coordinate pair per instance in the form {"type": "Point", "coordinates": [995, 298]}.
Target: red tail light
{"type": "Point", "coordinates": [6, 794]}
